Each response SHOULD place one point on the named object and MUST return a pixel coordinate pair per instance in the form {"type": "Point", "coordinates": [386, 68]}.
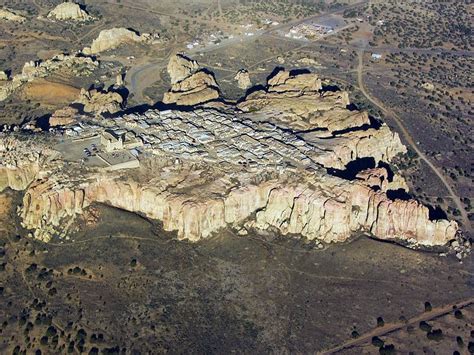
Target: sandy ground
{"type": "Point", "coordinates": [50, 93]}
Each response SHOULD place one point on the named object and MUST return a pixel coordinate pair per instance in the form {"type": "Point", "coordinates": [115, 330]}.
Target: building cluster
{"type": "Point", "coordinates": [209, 39]}
{"type": "Point", "coordinates": [308, 31]}
{"type": "Point", "coordinates": [203, 135]}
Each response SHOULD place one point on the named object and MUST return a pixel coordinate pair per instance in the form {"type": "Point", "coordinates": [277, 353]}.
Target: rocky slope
{"type": "Point", "coordinates": [78, 64]}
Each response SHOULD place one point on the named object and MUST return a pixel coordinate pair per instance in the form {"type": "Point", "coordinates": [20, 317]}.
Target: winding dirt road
{"type": "Point", "coordinates": [411, 142]}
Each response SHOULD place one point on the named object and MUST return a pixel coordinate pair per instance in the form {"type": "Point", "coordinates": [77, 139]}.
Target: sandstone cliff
{"type": "Point", "coordinates": [245, 167]}
{"type": "Point", "coordinates": [20, 162]}
{"type": "Point", "coordinates": [243, 79]}
{"type": "Point", "coordinates": [330, 211]}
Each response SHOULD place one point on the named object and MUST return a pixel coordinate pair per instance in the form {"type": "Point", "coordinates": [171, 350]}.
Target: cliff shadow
{"type": "Point", "coordinates": [353, 168]}
{"type": "Point", "coordinates": [274, 72]}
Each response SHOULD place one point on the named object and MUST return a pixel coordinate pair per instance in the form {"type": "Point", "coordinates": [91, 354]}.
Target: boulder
{"type": "Point", "coordinates": [3, 76]}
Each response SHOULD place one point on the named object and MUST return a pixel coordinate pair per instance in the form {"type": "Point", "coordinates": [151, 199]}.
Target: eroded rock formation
{"type": "Point", "coordinates": [180, 67]}
{"type": "Point", "coordinates": [63, 117]}
{"type": "Point", "coordinates": [69, 11]}
{"type": "Point", "coordinates": [298, 103]}
{"type": "Point", "coordinates": [9, 15]}
{"type": "Point", "coordinates": [206, 169]}
{"type": "Point", "coordinates": [113, 38]}
{"type": "Point", "coordinates": [330, 210]}
{"type": "Point", "coordinates": [97, 101]}
{"type": "Point", "coordinates": [243, 79]}
{"type": "Point", "coordinates": [190, 84]}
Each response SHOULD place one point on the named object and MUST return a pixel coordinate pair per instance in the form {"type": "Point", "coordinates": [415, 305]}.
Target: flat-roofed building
{"type": "Point", "coordinates": [111, 141]}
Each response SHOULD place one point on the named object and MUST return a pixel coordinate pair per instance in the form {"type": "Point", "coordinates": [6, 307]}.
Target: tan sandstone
{"type": "Point", "coordinates": [9, 15]}
{"type": "Point", "coordinates": [243, 79]}
{"type": "Point", "coordinates": [69, 11]}
{"type": "Point", "coordinates": [96, 101]}
{"type": "Point", "coordinates": [113, 38]}
{"type": "Point", "coordinates": [190, 85]}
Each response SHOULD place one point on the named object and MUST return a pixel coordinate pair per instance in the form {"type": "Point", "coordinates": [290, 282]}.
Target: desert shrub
{"type": "Point", "coordinates": [376, 341]}
{"type": "Point", "coordinates": [424, 326]}
{"type": "Point", "coordinates": [436, 334]}
{"type": "Point", "coordinates": [458, 314]}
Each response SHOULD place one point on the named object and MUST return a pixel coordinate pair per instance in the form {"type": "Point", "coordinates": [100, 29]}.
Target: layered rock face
{"type": "Point", "coordinates": [180, 67]}
{"type": "Point", "coordinates": [113, 38]}
{"type": "Point", "coordinates": [8, 15]}
{"type": "Point", "coordinates": [190, 85]}
{"type": "Point", "coordinates": [96, 101]}
{"type": "Point", "coordinates": [331, 211]}
{"type": "Point", "coordinates": [69, 11]}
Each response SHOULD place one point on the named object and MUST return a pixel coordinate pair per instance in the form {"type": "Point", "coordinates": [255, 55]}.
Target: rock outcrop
{"type": "Point", "coordinates": [299, 102]}
{"type": "Point", "coordinates": [21, 162]}
{"type": "Point", "coordinates": [77, 64]}
{"type": "Point", "coordinates": [285, 81]}
{"type": "Point", "coordinates": [113, 38]}
{"type": "Point", "coordinates": [180, 67]}
{"type": "Point", "coordinates": [206, 169]}
{"type": "Point", "coordinates": [96, 101]}
{"type": "Point", "coordinates": [331, 211]}
{"type": "Point", "coordinates": [69, 11]}
{"type": "Point", "coordinates": [243, 79]}
{"type": "Point", "coordinates": [3, 76]}
{"type": "Point", "coordinates": [190, 85]}
{"type": "Point", "coordinates": [63, 117]}
{"type": "Point", "coordinates": [9, 15]}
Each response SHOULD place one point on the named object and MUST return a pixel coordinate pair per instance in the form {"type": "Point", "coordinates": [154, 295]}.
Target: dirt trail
{"type": "Point", "coordinates": [411, 142]}
{"type": "Point", "coordinates": [392, 327]}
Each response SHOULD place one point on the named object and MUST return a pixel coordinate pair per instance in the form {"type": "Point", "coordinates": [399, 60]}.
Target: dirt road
{"type": "Point", "coordinates": [392, 327]}
{"type": "Point", "coordinates": [411, 142]}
